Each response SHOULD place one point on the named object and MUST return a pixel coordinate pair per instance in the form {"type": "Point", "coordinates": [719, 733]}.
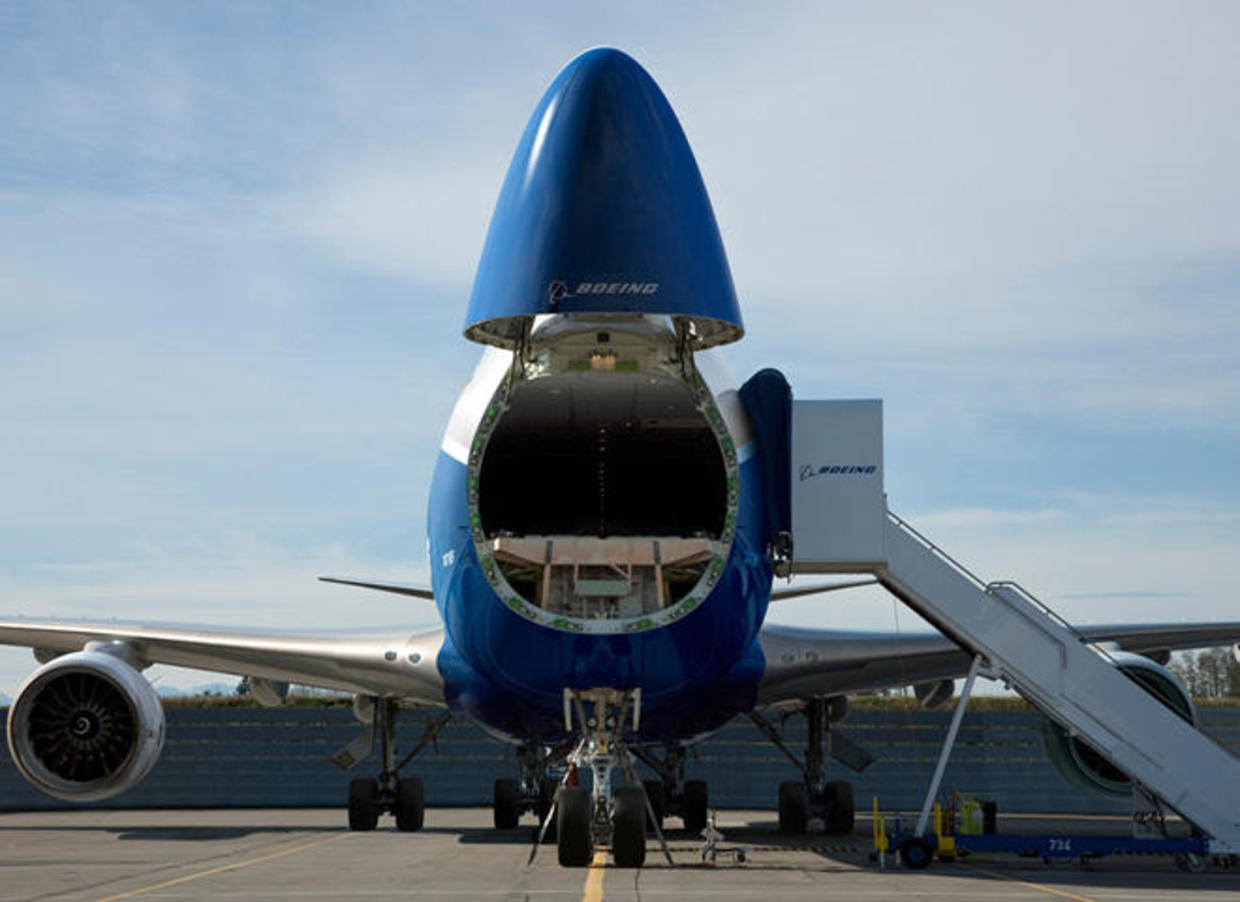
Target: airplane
{"type": "Point", "coordinates": [607, 518]}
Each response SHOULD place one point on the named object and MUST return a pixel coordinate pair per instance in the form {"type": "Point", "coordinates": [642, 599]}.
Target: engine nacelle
{"type": "Point", "coordinates": [1083, 766]}
{"type": "Point", "coordinates": [85, 727]}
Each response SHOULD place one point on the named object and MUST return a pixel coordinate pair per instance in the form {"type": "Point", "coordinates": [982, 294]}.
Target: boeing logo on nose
{"type": "Point", "coordinates": [558, 290]}
{"type": "Point", "coordinates": [617, 287]}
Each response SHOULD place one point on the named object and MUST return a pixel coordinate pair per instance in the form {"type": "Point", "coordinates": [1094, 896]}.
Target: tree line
{"type": "Point", "coordinates": [1209, 673]}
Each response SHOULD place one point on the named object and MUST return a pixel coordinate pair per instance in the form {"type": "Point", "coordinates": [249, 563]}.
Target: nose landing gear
{"type": "Point", "coordinates": [602, 816]}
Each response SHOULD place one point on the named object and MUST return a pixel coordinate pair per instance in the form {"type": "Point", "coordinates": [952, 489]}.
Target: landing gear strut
{"type": "Point", "coordinates": [389, 793]}
{"type": "Point", "coordinates": [830, 800]}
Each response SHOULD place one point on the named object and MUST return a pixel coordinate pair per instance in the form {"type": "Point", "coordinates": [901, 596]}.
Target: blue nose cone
{"type": "Point", "coordinates": [603, 211]}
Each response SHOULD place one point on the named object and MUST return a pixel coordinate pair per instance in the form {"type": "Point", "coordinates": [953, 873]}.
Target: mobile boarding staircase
{"type": "Point", "coordinates": [841, 525]}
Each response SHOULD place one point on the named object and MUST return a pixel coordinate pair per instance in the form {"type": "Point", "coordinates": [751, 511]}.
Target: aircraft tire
{"type": "Point", "coordinates": [363, 804]}
{"type": "Point", "coordinates": [793, 807]}
{"type": "Point", "coordinates": [410, 804]}
{"type": "Point", "coordinates": [573, 840]}
{"type": "Point", "coordinates": [507, 804]}
{"type": "Point", "coordinates": [842, 816]}
{"type": "Point", "coordinates": [694, 804]}
{"type": "Point", "coordinates": [628, 836]}
{"type": "Point", "coordinates": [654, 792]}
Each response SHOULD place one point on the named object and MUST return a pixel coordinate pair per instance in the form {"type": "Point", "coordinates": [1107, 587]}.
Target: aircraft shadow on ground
{"type": "Point", "coordinates": [189, 833]}
{"type": "Point", "coordinates": [207, 834]}
{"type": "Point", "coordinates": [525, 836]}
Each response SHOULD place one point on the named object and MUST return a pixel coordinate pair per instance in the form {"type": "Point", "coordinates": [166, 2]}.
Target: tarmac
{"type": "Point", "coordinates": [280, 854]}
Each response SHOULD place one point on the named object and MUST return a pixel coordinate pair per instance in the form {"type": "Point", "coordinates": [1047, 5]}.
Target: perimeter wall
{"type": "Point", "coordinates": [254, 757]}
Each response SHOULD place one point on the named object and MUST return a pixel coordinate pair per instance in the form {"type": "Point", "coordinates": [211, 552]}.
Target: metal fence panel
{"type": "Point", "coordinates": [255, 757]}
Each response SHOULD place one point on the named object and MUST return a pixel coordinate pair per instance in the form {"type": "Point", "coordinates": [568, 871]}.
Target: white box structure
{"type": "Point", "coordinates": [839, 509]}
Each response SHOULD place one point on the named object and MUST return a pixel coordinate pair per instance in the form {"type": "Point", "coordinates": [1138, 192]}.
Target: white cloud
{"type": "Point", "coordinates": [418, 220]}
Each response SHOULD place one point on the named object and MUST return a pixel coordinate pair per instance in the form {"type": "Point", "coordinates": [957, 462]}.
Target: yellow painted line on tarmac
{"type": "Point", "coordinates": [594, 879]}
{"type": "Point", "coordinates": [226, 867]}
{"type": "Point", "coordinates": [1063, 894]}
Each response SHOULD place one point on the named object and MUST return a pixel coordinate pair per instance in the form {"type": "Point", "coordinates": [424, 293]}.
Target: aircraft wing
{"type": "Point", "coordinates": [805, 663]}
{"type": "Point", "coordinates": [393, 663]}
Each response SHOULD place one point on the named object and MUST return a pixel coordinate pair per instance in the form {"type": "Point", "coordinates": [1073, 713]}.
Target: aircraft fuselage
{"type": "Point", "coordinates": [596, 522]}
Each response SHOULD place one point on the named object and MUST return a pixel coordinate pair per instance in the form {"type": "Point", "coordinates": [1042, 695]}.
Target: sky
{"type": "Point", "coordinates": [237, 239]}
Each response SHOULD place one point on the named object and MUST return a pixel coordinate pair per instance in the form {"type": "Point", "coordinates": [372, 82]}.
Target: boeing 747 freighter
{"type": "Point", "coordinates": [607, 516]}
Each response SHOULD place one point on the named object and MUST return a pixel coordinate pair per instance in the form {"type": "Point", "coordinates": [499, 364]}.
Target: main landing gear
{"type": "Point", "coordinates": [812, 796]}
{"type": "Point", "coordinates": [672, 794]}
{"type": "Point", "coordinates": [533, 792]}
{"type": "Point", "coordinates": [389, 793]}
{"type": "Point", "coordinates": [602, 816]}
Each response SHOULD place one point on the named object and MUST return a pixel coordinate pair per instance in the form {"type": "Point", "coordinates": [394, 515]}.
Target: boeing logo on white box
{"type": "Point", "coordinates": [808, 471]}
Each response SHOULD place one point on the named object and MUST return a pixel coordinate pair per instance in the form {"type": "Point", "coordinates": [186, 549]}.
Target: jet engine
{"type": "Point", "coordinates": [1082, 765]}
{"type": "Point", "coordinates": [85, 727]}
